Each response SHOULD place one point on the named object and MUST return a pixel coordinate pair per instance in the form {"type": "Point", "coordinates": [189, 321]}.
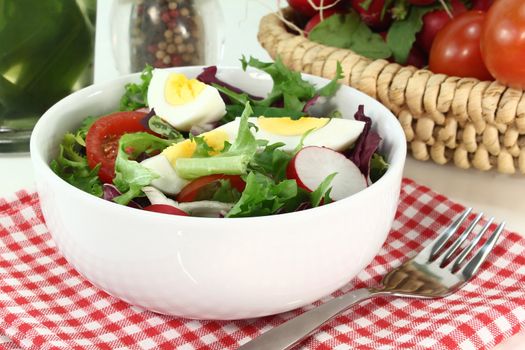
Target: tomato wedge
{"type": "Point", "coordinates": [198, 188]}
{"type": "Point", "coordinates": [103, 137]}
{"type": "Point", "coordinates": [165, 209]}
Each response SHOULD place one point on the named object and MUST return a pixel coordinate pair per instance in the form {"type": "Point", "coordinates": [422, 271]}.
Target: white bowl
{"type": "Point", "coordinates": [214, 268]}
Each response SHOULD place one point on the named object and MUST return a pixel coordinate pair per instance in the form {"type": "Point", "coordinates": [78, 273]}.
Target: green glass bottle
{"type": "Point", "coordinates": [46, 52]}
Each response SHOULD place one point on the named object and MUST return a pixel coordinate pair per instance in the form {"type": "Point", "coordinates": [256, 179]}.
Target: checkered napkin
{"type": "Point", "coordinates": [45, 304]}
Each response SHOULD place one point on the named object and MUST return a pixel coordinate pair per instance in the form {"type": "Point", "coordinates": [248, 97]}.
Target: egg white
{"type": "Point", "coordinates": [207, 107]}
{"type": "Point", "coordinates": [337, 134]}
{"type": "Point", "coordinates": [168, 181]}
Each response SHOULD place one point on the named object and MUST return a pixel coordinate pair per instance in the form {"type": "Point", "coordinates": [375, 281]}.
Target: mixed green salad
{"type": "Point", "coordinates": [203, 147]}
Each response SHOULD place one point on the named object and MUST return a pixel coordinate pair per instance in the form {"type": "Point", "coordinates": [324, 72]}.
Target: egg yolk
{"type": "Point", "coordinates": [288, 127]}
{"type": "Point", "coordinates": [180, 90]}
{"type": "Point", "coordinates": [185, 149]}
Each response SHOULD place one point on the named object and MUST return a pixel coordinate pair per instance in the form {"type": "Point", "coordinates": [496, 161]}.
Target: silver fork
{"type": "Point", "coordinates": [435, 272]}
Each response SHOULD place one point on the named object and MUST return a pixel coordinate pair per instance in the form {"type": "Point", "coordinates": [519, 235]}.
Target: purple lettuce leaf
{"type": "Point", "coordinates": [145, 121]}
{"type": "Point", "coordinates": [310, 103]}
{"type": "Point", "coordinates": [366, 144]}
{"type": "Point", "coordinates": [110, 191]}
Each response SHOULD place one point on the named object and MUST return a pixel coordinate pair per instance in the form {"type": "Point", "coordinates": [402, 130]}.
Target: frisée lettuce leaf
{"type": "Point", "coordinates": [73, 167]}
{"type": "Point", "coordinates": [233, 161]}
{"type": "Point", "coordinates": [130, 175]}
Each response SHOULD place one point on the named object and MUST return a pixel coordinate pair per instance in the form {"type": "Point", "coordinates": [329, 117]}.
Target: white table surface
{"type": "Point", "coordinates": [495, 194]}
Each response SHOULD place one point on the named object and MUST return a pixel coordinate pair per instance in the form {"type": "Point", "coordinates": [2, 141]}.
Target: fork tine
{"type": "Point", "coordinates": [463, 255]}
{"type": "Point", "coordinates": [457, 243]}
{"type": "Point", "coordinates": [477, 260]}
{"type": "Point", "coordinates": [449, 231]}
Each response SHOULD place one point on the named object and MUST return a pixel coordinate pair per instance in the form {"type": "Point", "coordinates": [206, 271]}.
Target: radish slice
{"type": "Point", "coordinates": [312, 164]}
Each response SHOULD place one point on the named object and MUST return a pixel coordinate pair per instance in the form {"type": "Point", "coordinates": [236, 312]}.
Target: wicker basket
{"type": "Point", "coordinates": [479, 124]}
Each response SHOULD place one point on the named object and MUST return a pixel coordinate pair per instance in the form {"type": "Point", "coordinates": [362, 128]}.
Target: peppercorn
{"type": "Point", "coordinates": [165, 33]}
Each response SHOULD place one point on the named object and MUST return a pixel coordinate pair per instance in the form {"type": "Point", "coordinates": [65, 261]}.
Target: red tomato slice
{"type": "Point", "coordinates": [191, 191]}
{"type": "Point", "coordinates": [165, 209]}
{"type": "Point", "coordinates": [102, 140]}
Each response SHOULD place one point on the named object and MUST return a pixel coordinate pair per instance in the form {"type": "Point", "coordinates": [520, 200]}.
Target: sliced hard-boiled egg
{"type": "Point", "coordinates": [337, 134]}
{"type": "Point", "coordinates": [168, 181]}
{"type": "Point", "coordinates": [184, 102]}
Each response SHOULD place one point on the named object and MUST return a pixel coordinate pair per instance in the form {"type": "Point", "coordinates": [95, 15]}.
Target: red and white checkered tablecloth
{"type": "Point", "coordinates": [45, 304]}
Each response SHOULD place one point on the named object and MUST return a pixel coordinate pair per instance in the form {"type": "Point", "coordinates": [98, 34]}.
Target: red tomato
{"type": "Point", "coordinates": [456, 49]}
{"type": "Point", "coordinates": [194, 189]}
{"type": "Point", "coordinates": [503, 42]}
{"type": "Point", "coordinates": [372, 16]}
{"type": "Point", "coordinates": [317, 18]}
{"type": "Point", "coordinates": [304, 7]}
{"type": "Point", "coordinates": [166, 209]}
{"type": "Point", "coordinates": [421, 2]}
{"type": "Point", "coordinates": [102, 140]}
{"type": "Point", "coordinates": [434, 21]}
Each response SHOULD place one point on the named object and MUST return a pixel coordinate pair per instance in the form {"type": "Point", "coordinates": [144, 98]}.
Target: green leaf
{"type": "Point", "coordinates": [202, 148]}
{"type": "Point", "coordinates": [331, 88]}
{"type": "Point", "coordinates": [239, 98]}
{"type": "Point", "coordinates": [365, 5]}
{"type": "Point", "coordinates": [71, 166]}
{"type": "Point", "coordinates": [131, 176]}
{"type": "Point", "coordinates": [349, 32]}
{"type": "Point", "coordinates": [322, 190]}
{"type": "Point", "coordinates": [136, 95]}
{"type": "Point", "coordinates": [287, 84]}
{"type": "Point", "coordinates": [262, 196]}
{"type": "Point", "coordinates": [399, 10]}
{"type": "Point", "coordinates": [402, 34]}
{"type": "Point", "coordinates": [159, 126]}
{"type": "Point", "coordinates": [272, 162]}
{"type": "Point", "coordinates": [81, 133]}
{"type": "Point", "coordinates": [225, 192]}
{"type": "Point", "coordinates": [233, 111]}
{"type": "Point", "coordinates": [232, 161]}
{"type": "Point", "coordinates": [378, 167]}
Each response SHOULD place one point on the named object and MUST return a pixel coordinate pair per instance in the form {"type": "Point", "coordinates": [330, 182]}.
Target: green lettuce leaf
{"type": "Point", "coordinates": [159, 126]}
{"type": "Point", "coordinates": [131, 176]}
{"type": "Point", "coordinates": [272, 161]}
{"type": "Point", "coordinates": [322, 191]}
{"type": "Point", "coordinates": [262, 196]}
{"type": "Point", "coordinates": [232, 161]}
{"type": "Point", "coordinates": [136, 95]}
{"type": "Point", "coordinates": [289, 86]}
{"type": "Point", "coordinates": [378, 167]}
{"type": "Point", "coordinates": [72, 166]}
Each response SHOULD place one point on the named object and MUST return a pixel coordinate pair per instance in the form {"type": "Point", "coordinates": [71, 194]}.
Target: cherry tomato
{"type": "Point", "coordinates": [166, 209]}
{"type": "Point", "coordinates": [372, 16]}
{"type": "Point", "coordinates": [201, 188]}
{"type": "Point", "coordinates": [102, 140]}
{"type": "Point", "coordinates": [503, 42]}
{"type": "Point", "coordinates": [317, 18]}
{"type": "Point", "coordinates": [456, 49]}
{"type": "Point", "coordinates": [304, 7]}
{"type": "Point", "coordinates": [434, 21]}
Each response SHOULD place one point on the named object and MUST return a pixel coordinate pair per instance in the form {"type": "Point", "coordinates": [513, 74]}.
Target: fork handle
{"type": "Point", "coordinates": [293, 331]}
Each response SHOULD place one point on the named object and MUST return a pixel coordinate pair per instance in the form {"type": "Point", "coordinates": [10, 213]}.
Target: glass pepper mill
{"type": "Point", "coordinates": [166, 33]}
